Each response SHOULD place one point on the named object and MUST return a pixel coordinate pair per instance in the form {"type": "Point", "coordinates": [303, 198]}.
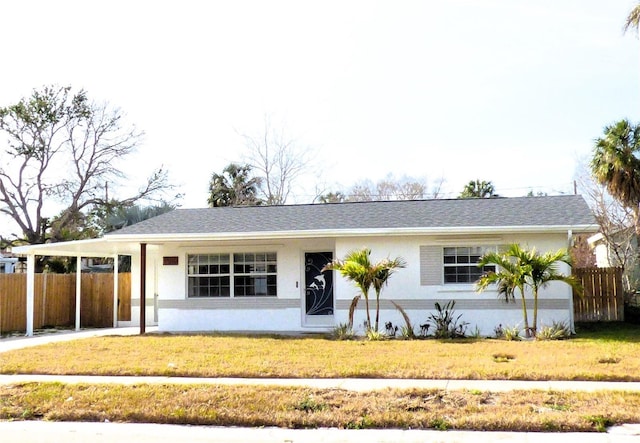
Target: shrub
{"type": "Point", "coordinates": [557, 331]}
{"type": "Point", "coordinates": [510, 333]}
{"type": "Point", "coordinates": [374, 335]}
{"type": "Point", "coordinates": [445, 323]}
{"type": "Point", "coordinates": [342, 332]}
{"type": "Point", "coordinates": [407, 330]}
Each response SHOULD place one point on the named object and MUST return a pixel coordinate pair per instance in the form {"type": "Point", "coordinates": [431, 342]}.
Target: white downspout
{"type": "Point", "coordinates": [572, 325]}
{"type": "Point", "coordinates": [31, 275]}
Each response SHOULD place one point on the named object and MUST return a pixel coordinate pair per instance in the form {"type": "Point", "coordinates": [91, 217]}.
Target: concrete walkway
{"type": "Point", "coordinates": [19, 342]}
{"type": "Point", "coordinates": [350, 384]}
{"type": "Point", "coordinates": [53, 432]}
{"type": "Point", "coordinates": [31, 432]}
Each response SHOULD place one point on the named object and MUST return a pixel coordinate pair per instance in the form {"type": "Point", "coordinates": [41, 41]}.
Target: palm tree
{"type": "Point", "coordinates": [381, 273]}
{"type": "Point", "coordinates": [542, 271]}
{"type": "Point", "coordinates": [509, 276]}
{"type": "Point", "coordinates": [518, 269]}
{"type": "Point", "coordinates": [478, 189]}
{"type": "Point", "coordinates": [615, 164]}
{"type": "Point", "coordinates": [357, 267]}
{"type": "Point", "coordinates": [123, 216]}
{"type": "Point", "coordinates": [633, 19]}
{"type": "Point", "coordinates": [234, 187]}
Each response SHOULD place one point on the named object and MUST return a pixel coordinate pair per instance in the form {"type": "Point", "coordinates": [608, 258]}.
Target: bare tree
{"type": "Point", "coordinates": [616, 223]}
{"type": "Point", "coordinates": [64, 149]}
{"type": "Point", "coordinates": [392, 188]}
{"type": "Point", "coordinates": [279, 162]}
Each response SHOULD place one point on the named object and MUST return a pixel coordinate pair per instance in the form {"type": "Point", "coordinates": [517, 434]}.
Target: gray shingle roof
{"type": "Point", "coordinates": [569, 211]}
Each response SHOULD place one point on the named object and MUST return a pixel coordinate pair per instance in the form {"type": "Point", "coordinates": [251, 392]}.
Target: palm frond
{"type": "Point", "coordinates": [633, 19]}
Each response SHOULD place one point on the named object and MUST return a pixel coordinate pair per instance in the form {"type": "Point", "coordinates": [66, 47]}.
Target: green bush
{"type": "Point", "coordinates": [557, 331]}
{"type": "Point", "coordinates": [343, 332]}
{"type": "Point", "coordinates": [446, 323]}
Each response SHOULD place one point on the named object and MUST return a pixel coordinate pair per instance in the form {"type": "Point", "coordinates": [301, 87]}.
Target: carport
{"type": "Point", "coordinates": [92, 248]}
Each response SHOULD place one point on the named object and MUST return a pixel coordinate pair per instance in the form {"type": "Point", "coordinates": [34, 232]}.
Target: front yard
{"type": "Point", "coordinates": [606, 352]}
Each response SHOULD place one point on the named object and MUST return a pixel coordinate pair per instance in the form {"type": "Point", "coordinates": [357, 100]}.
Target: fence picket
{"type": "Point", "coordinates": [55, 302]}
{"type": "Point", "coordinates": [603, 295]}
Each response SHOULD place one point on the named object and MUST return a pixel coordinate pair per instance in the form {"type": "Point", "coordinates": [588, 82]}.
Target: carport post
{"type": "Point", "coordinates": [31, 276]}
{"type": "Point", "coordinates": [143, 286]}
{"type": "Point", "coordinates": [78, 290]}
{"type": "Point", "coordinates": [116, 280]}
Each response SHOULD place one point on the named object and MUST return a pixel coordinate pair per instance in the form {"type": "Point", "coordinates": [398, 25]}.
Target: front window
{"type": "Point", "coordinates": [461, 264]}
{"type": "Point", "coordinates": [232, 275]}
{"type": "Point", "coordinates": [254, 274]}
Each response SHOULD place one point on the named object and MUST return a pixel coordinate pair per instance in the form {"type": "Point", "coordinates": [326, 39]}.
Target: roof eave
{"type": "Point", "coordinates": [127, 243]}
{"type": "Point", "coordinates": [334, 233]}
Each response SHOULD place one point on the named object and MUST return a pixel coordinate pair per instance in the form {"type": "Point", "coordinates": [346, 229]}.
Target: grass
{"type": "Point", "coordinates": [599, 352]}
{"type": "Point", "coordinates": [314, 408]}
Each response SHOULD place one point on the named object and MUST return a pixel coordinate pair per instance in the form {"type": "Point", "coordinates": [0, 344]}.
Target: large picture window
{"type": "Point", "coordinates": [232, 275]}
{"type": "Point", "coordinates": [461, 264]}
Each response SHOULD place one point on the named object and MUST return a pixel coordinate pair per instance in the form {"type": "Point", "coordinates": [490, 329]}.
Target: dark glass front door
{"type": "Point", "coordinates": [318, 284]}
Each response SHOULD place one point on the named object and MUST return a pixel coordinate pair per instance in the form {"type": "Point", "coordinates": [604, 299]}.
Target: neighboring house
{"type": "Point", "coordinates": [620, 250]}
{"type": "Point", "coordinates": [607, 255]}
{"type": "Point", "coordinates": [600, 249]}
{"type": "Point", "coordinates": [258, 268]}
{"type": "Point", "coordinates": [7, 263]}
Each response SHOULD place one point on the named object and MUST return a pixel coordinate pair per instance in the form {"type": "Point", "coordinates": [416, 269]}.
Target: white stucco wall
{"type": "Point", "coordinates": [404, 286]}
{"type": "Point", "coordinates": [178, 313]}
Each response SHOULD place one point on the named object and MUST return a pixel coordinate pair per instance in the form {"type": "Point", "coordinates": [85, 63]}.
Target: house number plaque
{"type": "Point", "coordinates": [170, 261]}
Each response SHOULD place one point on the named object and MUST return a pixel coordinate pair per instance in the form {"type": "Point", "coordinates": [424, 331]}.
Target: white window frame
{"type": "Point", "coordinates": [260, 272]}
{"type": "Point", "coordinates": [461, 260]}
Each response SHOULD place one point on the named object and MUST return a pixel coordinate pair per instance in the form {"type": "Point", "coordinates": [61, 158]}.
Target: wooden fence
{"type": "Point", "coordinates": [603, 298]}
{"type": "Point", "coordinates": [55, 300]}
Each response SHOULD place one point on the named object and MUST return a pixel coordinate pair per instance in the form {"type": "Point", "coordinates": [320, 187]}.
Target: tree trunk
{"type": "Point", "coordinates": [377, 310]}
{"type": "Point", "coordinates": [534, 328]}
{"type": "Point", "coordinates": [525, 317]}
{"type": "Point", "coordinates": [366, 301]}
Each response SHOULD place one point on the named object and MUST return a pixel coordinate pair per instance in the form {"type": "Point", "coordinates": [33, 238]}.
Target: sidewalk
{"type": "Point", "coordinates": [53, 432]}
{"type": "Point", "coordinates": [31, 432]}
{"type": "Point", "coordinates": [350, 384]}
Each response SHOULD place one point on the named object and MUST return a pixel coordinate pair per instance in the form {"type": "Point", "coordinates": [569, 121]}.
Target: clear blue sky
{"type": "Point", "coordinates": [511, 91]}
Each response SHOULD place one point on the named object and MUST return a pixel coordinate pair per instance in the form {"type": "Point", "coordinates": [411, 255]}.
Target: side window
{"type": "Point", "coordinates": [460, 264]}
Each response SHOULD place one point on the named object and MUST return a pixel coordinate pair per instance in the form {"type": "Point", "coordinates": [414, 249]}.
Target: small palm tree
{"type": "Point", "coordinates": [509, 276]}
{"type": "Point", "coordinates": [542, 271]}
{"type": "Point", "coordinates": [381, 273]}
{"type": "Point", "coordinates": [357, 267]}
{"type": "Point", "coordinates": [518, 269]}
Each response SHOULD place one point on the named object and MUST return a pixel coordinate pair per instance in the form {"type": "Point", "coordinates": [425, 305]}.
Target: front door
{"type": "Point", "coordinates": [318, 289]}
